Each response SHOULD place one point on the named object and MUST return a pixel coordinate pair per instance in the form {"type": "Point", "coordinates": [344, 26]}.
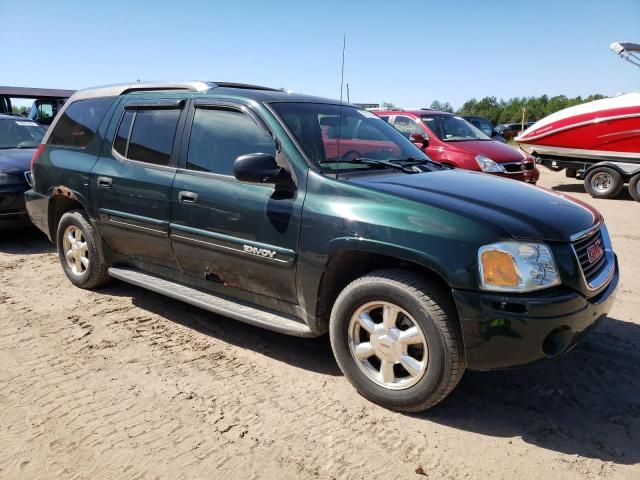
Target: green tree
{"type": "Point", "coordinates": [441, 106]}
{"type": "Point", "coordinates": [22, 110]}
{"type": "Point", "coordinates": [507, 111]}
{"type": "Point", "coordinates": [388, 105]}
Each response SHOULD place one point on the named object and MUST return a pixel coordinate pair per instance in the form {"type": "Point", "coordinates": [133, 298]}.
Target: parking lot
{"type": "Point", "coordinates": [121, 382]}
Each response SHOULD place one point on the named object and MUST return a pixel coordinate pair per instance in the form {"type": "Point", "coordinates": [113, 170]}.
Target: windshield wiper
{"type": "Point", "coordinates": [419, 161]}
{"type": "Point", "coordinates": [387, 163]}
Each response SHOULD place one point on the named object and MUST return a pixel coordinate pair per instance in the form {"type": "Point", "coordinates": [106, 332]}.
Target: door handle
{"type": "Point", "coordinates": [105, 182]}
{"type": "Point", "coordinates": [187, 197]}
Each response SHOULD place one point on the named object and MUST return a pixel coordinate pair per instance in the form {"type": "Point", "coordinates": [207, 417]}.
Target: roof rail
{"type": "Point", "coordinates": [122, 88]}
{"type": "Point", "coordinates": [246, 86]}
{"type": "Point", "coordinates": [383, 109]}
{"type": "Point", "coordinates": [193, 86]}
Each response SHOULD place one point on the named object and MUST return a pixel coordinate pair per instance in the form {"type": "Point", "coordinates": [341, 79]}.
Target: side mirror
{"type": "Point", "coordinates": [260, 168]}
{"type": "Point", "coordinates": [494, 133]}
{"type": "Point", "coordinates": [420, 138]}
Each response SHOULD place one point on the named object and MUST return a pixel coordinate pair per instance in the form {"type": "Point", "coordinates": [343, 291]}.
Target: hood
{"type": "Point", "coordinates": [495, 150]}
{"type": "Point", "coordinates": [521, 210]}
{"type": "Point", "coordinates": [16, 161]}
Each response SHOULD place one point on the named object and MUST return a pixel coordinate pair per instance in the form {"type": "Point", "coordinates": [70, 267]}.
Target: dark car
{"type": "Point", "coordinates": [511, 130]}
{"type": "Point", "coordinates": [19, 138]}
{"type": "Point", "coordinates": [486, 126]}
{"type": "Point", "coordinates": [244, 201]}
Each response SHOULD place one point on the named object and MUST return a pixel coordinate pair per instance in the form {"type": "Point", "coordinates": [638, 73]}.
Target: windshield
{"type": "Point", "coordinates": [332, 136]}
{"type": "Point", "coordinates": [20, 133]}
{"type": "Point", "coordinates": [450, 128]}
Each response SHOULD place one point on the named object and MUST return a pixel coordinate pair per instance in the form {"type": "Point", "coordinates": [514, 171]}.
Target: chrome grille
{"type": "Point", "coordinates": [581, 247]}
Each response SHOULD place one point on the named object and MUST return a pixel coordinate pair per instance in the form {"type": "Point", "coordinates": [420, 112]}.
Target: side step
{"type": "Point", "coordinates": [212, 303]}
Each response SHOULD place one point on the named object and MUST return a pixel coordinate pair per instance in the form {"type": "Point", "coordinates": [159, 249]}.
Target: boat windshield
{"type": "Point", "coordinates": [341, 138]}
{"type": "Point", "coordinates": [450, 128]}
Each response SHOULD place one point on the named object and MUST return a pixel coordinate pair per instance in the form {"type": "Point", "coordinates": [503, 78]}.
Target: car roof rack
{"type": "Point", "coordinates": [245, 86]}
{"type": "Point", "coordinates": [192, 86]}
{"type": "Point", "coordinates": [122, 88]}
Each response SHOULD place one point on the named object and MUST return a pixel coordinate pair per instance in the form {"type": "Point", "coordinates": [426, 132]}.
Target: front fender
{"type": "Point", "coordinates": [420, 257]}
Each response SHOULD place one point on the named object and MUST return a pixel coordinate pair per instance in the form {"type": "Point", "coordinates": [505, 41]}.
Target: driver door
{"type": "Point", "coordinates": [239, 237]}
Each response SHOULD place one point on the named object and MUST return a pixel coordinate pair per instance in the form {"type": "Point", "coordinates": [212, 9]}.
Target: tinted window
{"type": "Point", "coordinates": [79, 122]}
{"type": "Point", "coordinates": [218, 137]}
{"type": "Point", "coordinates": [120, 143]}
{"type": "Point", "coordinates": [152, 136]}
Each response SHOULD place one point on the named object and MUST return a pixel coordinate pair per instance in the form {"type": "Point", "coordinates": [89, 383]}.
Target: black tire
{"type": "Point", "coordinates": [432, 311]}
{"type": "Point", "coordinates": [634, 187]}
{"type": "Point", "coordinates": [95, 272]}
{"type": "Point", "coordinates": [603, 182]}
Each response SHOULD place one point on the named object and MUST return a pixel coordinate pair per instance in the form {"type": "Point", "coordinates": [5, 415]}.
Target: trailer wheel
{"type": "Point", "coordinates": [603, 182]}
{"type": "Point", "coordinates": [634, 187]}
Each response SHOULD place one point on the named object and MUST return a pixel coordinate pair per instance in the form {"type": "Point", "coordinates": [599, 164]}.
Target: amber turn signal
{"type": "Point", "coordinates": [499, 269]}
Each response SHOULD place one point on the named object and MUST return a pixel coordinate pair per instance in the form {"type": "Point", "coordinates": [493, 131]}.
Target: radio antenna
{"type": "Point", "coordinates": [344, 47]}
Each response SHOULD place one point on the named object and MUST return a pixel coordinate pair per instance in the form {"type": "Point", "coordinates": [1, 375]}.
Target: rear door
{"type": "Point", "coordinates": [131, 182]}
{"type": "Point", "coordinates": [240, 237]}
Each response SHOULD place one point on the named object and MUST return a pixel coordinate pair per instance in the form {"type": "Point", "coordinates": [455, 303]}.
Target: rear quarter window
{"type": "Point", "coordinates": [79, 122]}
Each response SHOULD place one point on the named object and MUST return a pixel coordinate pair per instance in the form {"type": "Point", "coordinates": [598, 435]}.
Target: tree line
{"type": "Point", "coordinates": [508, 111]}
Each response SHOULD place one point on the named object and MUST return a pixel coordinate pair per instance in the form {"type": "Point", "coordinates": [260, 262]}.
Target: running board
{"type": "Point", "coordinates": [213, 303]}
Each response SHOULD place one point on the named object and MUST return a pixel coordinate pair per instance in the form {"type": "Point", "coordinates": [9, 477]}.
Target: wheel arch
{"type": "Point", "coordinates": [63, 200]}
{"type": "Point", "coordinates": [347, 264]}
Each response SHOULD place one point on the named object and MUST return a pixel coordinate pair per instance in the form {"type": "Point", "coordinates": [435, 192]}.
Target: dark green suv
{"type": "Point", "coordinates": [304, 215]}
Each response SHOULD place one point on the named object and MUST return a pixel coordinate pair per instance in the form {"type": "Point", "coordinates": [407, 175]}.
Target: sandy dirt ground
{"type": "Point", "coordinates": [123, 383]}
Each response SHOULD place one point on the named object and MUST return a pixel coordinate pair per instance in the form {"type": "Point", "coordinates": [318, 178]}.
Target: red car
{"type": "Point", "coordinates": [451, 140]}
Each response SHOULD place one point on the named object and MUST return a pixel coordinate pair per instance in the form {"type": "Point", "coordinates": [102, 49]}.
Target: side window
{"type": "Point", "coordinates": [385, 118]}
{"type": "Point", "coordinates": [122, 137]}
{"type": "Point", "coordinates": [406, 126]}
{"type": "Point", "coordinates": [147, 135]}
{"type": "Point", "coordinates": [79, 122]}
{"type": "Point", "coordinates": [220, 136]}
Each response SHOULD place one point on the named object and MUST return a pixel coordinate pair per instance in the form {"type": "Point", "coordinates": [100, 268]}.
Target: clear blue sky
{"type": "Point", "coordinates": [408, 53]}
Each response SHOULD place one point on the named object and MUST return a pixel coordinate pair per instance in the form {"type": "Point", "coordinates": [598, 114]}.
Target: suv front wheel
{"type": "Point", "coordinates": [78, 251]}
{"type": "Point", "coordinates": [395, 337]}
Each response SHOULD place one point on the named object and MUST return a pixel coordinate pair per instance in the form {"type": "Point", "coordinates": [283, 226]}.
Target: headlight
{"type": "Point", "coordinates": [517, 267]}
{"type": "Point", "coordinates": [488, 165]}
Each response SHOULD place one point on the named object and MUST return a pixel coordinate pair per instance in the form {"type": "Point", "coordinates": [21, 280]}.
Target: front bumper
{"type": "Point", "coordinates": [12, 209]}
{"type": "Point", "coordinates": [528, 176]}
{"type": "Point", "coordinates": [503, 331]}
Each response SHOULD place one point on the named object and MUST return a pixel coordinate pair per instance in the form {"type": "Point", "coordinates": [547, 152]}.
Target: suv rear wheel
{"type": "Point", "coordinates": [78, 252]}
{"type": "Point", "coordinates": [395, 337]}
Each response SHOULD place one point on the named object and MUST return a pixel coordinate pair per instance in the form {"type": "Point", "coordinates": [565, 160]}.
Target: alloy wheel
{"type": "Point", "coordinates": [76, 250]}
{"type": "Point", "coordinates": [388, 345]}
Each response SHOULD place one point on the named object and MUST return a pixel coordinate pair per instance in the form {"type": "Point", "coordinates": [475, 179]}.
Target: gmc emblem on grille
{"type": "Point", "coordinates": [595, 251]}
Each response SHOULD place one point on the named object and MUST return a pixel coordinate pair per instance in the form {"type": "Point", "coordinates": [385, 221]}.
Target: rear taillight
{"type": "Point", "coordinates": [36, 155]}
